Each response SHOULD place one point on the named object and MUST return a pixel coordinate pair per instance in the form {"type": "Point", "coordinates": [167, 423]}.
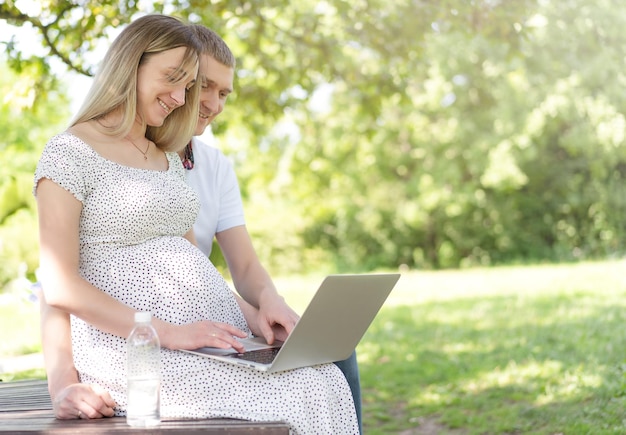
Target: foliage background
{"type": "Point", "coordinates": [372, 134]}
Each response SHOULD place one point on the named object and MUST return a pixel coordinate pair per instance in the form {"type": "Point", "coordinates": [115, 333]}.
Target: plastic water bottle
{"type": "Point", "coordinates": [144, 374]}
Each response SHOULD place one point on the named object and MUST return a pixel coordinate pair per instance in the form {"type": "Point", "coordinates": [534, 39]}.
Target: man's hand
{"type": "Point", "coordinates": [83, 401]}
{"type": "Point", "coordinates": [275, 319]}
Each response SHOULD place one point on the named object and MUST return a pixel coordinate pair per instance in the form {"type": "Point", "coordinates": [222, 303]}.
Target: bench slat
{"type": "Point", "coordinates": [25, 409]}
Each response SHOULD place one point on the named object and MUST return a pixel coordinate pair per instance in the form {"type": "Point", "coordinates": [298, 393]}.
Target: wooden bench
{"type": "Point", "coordinates": [25, 408]}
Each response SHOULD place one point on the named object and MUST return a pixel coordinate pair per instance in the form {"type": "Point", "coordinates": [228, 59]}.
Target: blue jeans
{"type": "Point", "coordinates": [350, 370]}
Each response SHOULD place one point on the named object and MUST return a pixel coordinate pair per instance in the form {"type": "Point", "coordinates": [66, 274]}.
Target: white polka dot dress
{"type": "Point", "coordinates": [131, 247]}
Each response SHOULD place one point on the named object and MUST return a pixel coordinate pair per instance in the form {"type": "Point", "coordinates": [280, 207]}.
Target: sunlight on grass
{"type": "Point", "coordinates": [454, 349]}
{"type": "Point", "coordinates": [428, 286]}
{"type": "Point", "coordinates": [558, 383]}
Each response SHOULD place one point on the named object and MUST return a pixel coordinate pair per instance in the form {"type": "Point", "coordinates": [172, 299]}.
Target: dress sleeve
{"type": "Point", "coordinates": [60, 163]}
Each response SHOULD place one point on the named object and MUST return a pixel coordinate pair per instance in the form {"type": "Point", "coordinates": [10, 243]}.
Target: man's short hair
{"type": "Point", "coordinates": [213, 45]}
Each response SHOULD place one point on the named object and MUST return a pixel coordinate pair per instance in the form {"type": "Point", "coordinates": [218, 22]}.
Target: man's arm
{"type": "Point", "coordinates": [254, 283]}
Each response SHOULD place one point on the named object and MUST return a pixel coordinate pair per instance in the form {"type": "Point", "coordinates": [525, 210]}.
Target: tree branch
{"type": "Point", "coordinates": [16, 17]}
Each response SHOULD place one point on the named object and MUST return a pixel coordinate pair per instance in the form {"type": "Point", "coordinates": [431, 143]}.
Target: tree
{"type": "Point", "coordinates": [25, 129]}
{"type": "Point", "coordinates": [379, 133]}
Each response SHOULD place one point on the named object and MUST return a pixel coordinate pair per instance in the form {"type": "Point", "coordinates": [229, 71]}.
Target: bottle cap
{"type": "Point", "coordinates": [143, 317]}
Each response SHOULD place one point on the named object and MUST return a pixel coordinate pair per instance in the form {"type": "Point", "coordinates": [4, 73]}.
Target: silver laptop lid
{"type": "Point", "coordinates": [335, 320]}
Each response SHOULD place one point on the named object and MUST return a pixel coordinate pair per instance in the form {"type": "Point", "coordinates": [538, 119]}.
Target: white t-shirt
{"type": "Point", "coordinates": [214, 180]}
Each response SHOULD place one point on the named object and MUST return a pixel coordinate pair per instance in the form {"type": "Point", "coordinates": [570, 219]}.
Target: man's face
{"type": "Point", "coordinates": [217, 83]}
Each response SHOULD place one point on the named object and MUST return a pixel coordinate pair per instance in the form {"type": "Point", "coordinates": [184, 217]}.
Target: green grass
{"type": "Point", "coordinates": [518, 350]}
{"type": "Point", "coordinates": [528, 350]}
{"type": "Point", "coordinates": [19, 327]}
{"type": "Point", "coordinates": [38, 373]}
{"type": "Point", "coordinates": [19, 334]}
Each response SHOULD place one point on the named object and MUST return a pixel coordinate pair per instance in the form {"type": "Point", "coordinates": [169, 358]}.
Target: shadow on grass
{"type": "Point", "coordinates": [498, 365]}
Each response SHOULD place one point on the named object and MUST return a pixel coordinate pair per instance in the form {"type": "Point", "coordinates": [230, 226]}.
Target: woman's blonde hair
{"type": "Point", "coordinates": [115, 85]}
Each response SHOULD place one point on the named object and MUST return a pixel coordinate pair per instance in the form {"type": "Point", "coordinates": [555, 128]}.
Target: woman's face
{"type": "Point", "coordinates": [162, 85]}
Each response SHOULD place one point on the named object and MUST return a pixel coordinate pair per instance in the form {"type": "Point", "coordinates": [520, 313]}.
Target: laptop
{"type": "Point", "coordinates": [329, 330]}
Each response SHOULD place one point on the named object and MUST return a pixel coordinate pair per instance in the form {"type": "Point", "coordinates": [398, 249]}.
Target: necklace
{"type": "Point", "coordinates": [188, 157]}
{"type": "Point", "coordinates": [145, 153]}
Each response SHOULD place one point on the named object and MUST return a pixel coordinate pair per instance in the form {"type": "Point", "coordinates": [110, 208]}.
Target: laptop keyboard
{"type": "Point", "coordinates": [263, 356]}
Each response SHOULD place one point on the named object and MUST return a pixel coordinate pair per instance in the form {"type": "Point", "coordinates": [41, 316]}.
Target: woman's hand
{"type": "Point", "coordinates": [199, 334]}
{"type": "Point", "coordinates": [83, 401]}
